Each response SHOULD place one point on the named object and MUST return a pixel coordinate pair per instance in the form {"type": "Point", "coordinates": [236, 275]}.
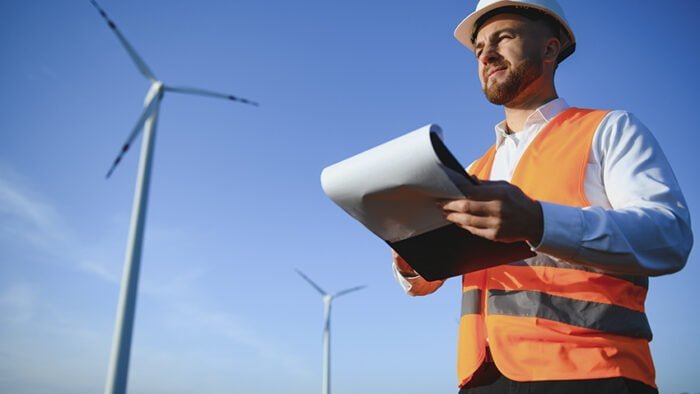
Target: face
{"type": "Point", "coordinates": [509, 50]}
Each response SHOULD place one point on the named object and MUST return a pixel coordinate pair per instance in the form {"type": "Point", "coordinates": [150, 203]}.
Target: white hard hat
{"type": "Point", "coordinates": [466, 30]}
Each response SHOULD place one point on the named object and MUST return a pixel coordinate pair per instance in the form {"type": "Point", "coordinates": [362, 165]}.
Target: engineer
{"type": "Point", "coordinates": [591, 192]}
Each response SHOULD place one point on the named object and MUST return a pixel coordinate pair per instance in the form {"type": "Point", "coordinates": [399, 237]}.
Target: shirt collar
{"type": "Point", "coordinates": [539, 117]}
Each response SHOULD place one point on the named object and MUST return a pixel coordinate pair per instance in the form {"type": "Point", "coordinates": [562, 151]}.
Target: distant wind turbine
{"type": "Point", "coordinates": [327, 300]}
{"type": "Point", "coordinates": [121, 346]}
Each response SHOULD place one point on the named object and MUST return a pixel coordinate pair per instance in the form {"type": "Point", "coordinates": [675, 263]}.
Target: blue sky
{"type": "Point", "coordinates": [236, 202]}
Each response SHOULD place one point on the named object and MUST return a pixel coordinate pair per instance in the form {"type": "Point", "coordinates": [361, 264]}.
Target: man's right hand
{"type": "Point", "coordinates": [404, 269]}
{"type": "Point", "coordinates": [412, 283]}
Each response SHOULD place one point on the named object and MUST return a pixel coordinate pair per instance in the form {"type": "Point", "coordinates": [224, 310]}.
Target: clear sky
{"type": "Point", "coordinates": [236, 202]}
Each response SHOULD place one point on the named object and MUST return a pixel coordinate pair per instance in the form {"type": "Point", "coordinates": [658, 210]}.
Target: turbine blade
{"type": "Point", "coordinates": [314, 285]}
{"type": "Point", "coordinates": [132, 52]}
{"type": "Point", "coordinates": [209, 93]}
{"type": "Point", "coordinates": [147, 112]}
{"type": "Point", "coordinates": [343, 292]}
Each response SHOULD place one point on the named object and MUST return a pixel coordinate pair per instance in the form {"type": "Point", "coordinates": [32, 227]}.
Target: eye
{"type": "Point", "coordinates": [505, 36]}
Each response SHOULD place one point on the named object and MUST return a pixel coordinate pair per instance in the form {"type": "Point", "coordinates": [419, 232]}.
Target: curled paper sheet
{"type": "Point", "coordinates": [393, 188]}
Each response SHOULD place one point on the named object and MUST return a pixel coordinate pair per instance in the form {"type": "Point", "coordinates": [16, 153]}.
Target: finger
{"type": "Point", "coordinates": [487, 233]}
{"type": "Point", "coordinates": [478, 208]}
{"type": "Point", "coordinates": [471, 221]}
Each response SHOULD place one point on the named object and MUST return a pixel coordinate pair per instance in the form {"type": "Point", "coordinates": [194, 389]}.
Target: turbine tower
{"type": "Point", "coordinates": [327, 300]}
{"type": "Point", "coordinates": [121, 345]}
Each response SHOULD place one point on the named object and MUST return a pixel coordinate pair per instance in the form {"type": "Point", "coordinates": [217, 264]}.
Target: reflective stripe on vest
{"type": "Point", "coordinates": [547, 319]}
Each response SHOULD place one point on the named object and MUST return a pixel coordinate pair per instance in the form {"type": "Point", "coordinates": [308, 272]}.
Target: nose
{"type": "Point", "coordinates": [488, 55]}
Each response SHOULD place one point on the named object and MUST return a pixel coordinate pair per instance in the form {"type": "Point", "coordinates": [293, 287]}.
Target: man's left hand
{"type": "Point", "coordinates": [497, 210]}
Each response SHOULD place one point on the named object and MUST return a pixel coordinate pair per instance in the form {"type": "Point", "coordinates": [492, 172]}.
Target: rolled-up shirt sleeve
{"type": "Point", "coordinates": [644, 226]}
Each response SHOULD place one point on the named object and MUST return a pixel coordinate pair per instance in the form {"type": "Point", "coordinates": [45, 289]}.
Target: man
{"type": "Point", "coordinates": [593, 195]}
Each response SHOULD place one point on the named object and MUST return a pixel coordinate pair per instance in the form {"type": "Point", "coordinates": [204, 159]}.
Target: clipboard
{"type": "Point", "coordinates": [392, 189]}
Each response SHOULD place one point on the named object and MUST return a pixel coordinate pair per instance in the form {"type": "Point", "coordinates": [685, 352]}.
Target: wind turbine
{"type": "Point", "coordinates": [121, 345]}
{"type": "Point", "coordinates": [327, 300]}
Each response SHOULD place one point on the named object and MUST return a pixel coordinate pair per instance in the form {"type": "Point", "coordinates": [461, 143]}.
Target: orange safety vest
{"type": "Point", "coordinates": [551, 320]}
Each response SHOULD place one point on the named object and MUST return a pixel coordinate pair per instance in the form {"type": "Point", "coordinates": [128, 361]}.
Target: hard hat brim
{"type": "Point", "coordinates": [463, 32]}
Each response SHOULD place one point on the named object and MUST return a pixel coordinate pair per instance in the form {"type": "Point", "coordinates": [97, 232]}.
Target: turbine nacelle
{"type": "Point", "coordinates": [327, 300]}
{"type": "Point", "coordinates": [157, 89]}
{"type": "Point", "coordinates": [326, 295]}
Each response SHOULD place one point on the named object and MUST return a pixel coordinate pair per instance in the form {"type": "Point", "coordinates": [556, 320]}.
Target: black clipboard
{"type": "Point", "coordinates": [450, 250]}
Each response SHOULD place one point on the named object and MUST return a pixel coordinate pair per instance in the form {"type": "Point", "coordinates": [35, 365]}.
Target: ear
{"type": "Point", "coordinates": [551, 50]}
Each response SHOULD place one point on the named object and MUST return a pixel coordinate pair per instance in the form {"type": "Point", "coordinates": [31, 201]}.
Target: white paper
{"type": "Point", "coordinates": [393, 188]}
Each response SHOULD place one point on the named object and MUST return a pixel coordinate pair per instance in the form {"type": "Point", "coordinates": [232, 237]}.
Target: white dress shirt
{"type": "Point", "coordinates": [638, 222]}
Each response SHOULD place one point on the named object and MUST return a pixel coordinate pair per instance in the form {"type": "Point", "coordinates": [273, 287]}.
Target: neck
{"type": "Point", "coordinates": [518, 110]}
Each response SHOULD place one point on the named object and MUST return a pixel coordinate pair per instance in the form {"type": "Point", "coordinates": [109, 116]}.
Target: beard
{"type": "Point", "coordinates": [516, 82]}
